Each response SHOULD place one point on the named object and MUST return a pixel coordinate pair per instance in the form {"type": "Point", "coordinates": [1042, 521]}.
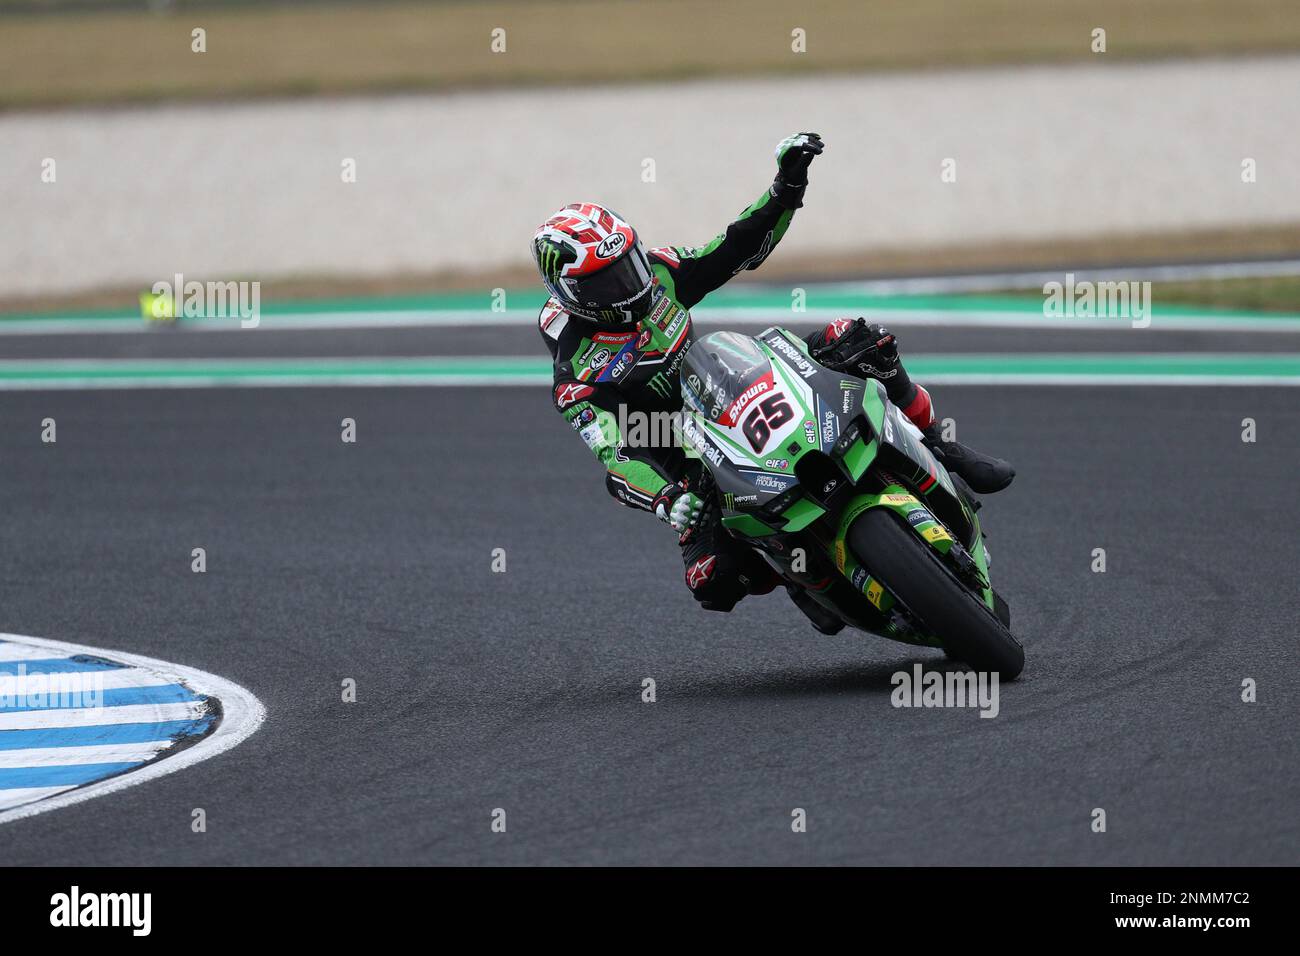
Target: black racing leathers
{"type": "Point", "coordinates": [603, 376]}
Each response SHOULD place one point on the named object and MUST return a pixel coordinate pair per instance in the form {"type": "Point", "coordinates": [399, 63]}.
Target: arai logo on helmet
{"type": "Point", "coordinates": [611, 246]}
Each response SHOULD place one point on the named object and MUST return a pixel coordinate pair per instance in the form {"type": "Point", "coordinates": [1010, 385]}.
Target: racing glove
{"type": "Point", "coordinates": [678, 506]}
{"type": "Point", "coordinates": [861, 349]}
{"type": "Point", "coordinates": [793, 154]}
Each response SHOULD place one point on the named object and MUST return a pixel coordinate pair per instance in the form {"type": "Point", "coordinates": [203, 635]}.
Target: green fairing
{"type": "Point", "coordinates": [801, 514]}
{"type": "Point", "coordinates": [859, 456]}
{"type": "Point", "coordinates": [746, 525]}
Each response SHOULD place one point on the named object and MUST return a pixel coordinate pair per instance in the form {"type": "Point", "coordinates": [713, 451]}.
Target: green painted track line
{"type": "Point", "coordinates": [773, 302]}
{"type": "Point", "coordinates": [1023, 369]}
{"type": "Point", "coordinates": [748, 306]}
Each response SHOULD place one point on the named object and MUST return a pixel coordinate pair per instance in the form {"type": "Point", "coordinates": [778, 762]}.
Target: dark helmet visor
{"type": "Point", "coordinates": [616, 285]}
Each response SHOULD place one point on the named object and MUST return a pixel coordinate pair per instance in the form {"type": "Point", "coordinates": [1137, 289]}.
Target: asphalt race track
{"type": "Point", "coordinates": [522, 690]}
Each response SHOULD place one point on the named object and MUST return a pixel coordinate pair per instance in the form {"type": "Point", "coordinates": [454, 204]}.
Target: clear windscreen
{"type": "Point", "coordinates": [719, 369]}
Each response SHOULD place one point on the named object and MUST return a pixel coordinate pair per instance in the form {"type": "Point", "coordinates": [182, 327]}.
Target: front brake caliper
{"type": "Point", "coordinates": [965, 565]}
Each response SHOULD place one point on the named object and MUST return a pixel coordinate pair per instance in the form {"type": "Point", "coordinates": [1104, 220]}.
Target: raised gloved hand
{"type": "Point", "coordinates": [793, 154]}
{"type": "Point", "coordinates": [869, 350]}
{"type": "Point", "coordinates": [678, 506]}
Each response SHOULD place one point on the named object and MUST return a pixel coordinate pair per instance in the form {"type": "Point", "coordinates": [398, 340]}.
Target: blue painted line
{"type": "Point", "coordinates": [71, 776]}
{"type": "Point", "coordinates": [58, 665]}
{"type": "Point", "coordinates": [88, 698]}
{"type": "Point", "coordinates": [103, 734]}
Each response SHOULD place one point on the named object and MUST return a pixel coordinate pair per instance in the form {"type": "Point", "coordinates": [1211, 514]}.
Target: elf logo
{"type": "Point", "coordinates": [611, 246]}
{"type": "Point", "coordinates": [74, 908]}
{"type": "Point", "coordinates": [625, 362]}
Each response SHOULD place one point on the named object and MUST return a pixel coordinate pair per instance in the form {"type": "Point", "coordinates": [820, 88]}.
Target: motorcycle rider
{"type": "Point", "coordinates": [604, 287]}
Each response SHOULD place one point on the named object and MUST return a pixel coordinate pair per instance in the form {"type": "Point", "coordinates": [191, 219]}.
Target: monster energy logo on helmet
{"type": "Point", "coordinates": [552, 257]}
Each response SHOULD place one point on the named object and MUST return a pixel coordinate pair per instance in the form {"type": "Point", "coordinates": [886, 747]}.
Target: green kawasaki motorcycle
{"type": "Point", "coordinates": [829, 479]}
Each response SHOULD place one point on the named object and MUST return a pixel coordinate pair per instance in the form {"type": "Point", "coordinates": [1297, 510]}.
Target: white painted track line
{"type": "Point", "coordinates": [25, 797]}
{"type": "Point", "coordinates": [30, 652]}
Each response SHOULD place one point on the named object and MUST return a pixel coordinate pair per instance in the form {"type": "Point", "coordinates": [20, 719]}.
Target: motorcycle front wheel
{"type": "Point", "coordinates": [917, 577]}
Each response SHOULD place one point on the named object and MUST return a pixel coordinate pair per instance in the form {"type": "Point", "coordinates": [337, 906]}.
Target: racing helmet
{"type": "Point", "coordinates": [593, 264]}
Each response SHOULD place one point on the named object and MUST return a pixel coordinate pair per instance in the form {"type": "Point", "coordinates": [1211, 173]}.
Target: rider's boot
{"type": "Point", "coordinates": [984, 473]}
{"type": "Point", "coordinates": [871, 350]}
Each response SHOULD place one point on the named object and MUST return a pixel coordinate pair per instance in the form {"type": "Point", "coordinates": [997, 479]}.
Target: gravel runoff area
{"type": "Point", "coordinates": [458, 181]}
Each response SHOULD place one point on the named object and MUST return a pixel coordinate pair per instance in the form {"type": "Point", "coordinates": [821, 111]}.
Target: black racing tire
{"type": "Point", "coordinates": [915, 575]}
